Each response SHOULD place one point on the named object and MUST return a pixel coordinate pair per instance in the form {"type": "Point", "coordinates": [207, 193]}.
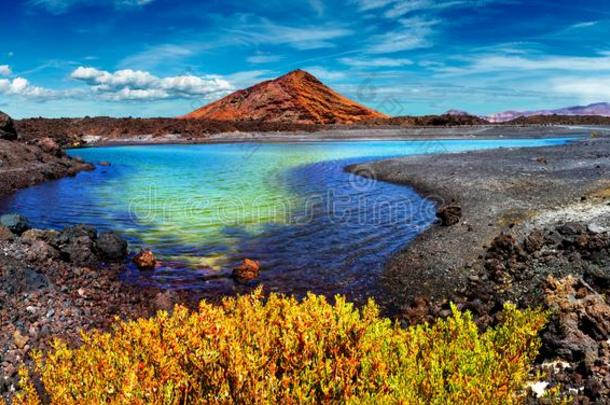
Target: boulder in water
{"type": "Point", "coordinates": [248, 270]}
{"type": "Point", "coordinates": [145, 260]}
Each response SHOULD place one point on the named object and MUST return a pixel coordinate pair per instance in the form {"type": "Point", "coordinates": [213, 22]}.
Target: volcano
{"type": "Point", "coordinates": [297, 97]}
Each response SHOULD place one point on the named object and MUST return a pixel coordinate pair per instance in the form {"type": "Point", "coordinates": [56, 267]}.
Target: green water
{"type": "Point", "coordinates": [202, 208]}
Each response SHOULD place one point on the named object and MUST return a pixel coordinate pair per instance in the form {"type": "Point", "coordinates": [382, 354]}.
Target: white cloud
{"type": "Point", "coordinates": [263, 58]}
{"type": "Point", "coordinates": [367, 5]}
{"type": "Point", "coordinates": [585, 24]}
{"type": "Point", "coordinates": [591, 89]}
{"type": "Point", "coordinates": [157, 55]}
{"type": "Point", "coordinates": [5, 70]}
{"type": "Point", "coordinates": [376, 62]}
{"type": "Point", "coordinates": [128, 84]}
{"type": "Point", "coordinates": [413, 33]}
{"type": "Point", "coordinates": [492, 62]}
{"type": "Point", "coordinates": [325, 74]}
{"type": "Point", "coordinates": [264, 31]}
{"type": "Point", "coordinates": [22, 87]}
{"type": "Point", "coordinates": [317, 6]}
{"type": "Point", "coordinates": [62, 6]}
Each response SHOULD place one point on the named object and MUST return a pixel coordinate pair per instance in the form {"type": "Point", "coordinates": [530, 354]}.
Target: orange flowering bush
{"type": "Point", "coordinates": [252, 349]}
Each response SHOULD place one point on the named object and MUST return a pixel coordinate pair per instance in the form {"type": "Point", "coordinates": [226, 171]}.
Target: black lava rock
{"type": "Point", "coordinates": [15, 222]}
{"type": "Point", "coordinates": [111, 247]}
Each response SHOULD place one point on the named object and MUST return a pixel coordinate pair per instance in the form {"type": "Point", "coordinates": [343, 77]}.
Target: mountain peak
{"type": "Point", "coordinates": [296, 97]}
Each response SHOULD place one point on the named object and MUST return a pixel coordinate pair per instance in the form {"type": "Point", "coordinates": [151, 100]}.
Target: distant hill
{"type": "Point", "coordinates": [297, 97]}
{"type": "Point", "coordinates": [449, 119]}
{"type": "Point", "coordinates": [597, 109]}
{"type": "Point", "coordinates": [560, 120]}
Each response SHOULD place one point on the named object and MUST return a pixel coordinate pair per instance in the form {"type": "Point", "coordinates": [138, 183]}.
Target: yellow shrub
{"type": "Point", "coordinates": [255, 350]}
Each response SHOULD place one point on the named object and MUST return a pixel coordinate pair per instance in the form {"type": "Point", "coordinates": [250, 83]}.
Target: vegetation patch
{"type": "Point", "coordinates": [255, 349]}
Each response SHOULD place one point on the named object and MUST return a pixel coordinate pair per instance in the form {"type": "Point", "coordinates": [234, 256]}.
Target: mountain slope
{"type": "Point", "coordinates": [598, 109]}
{"type": "Point", "coordinates": [297, 97]}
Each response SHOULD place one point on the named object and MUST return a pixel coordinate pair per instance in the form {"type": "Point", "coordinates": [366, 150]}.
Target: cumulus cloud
{"type": "Point", "coordinates": [22, 87]}
{"type": "Point", "coordinates": [5, 70]}
{"type": "Point", "coordinates": [131, 84]}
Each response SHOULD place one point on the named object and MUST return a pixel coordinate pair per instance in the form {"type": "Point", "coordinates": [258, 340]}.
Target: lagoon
{"type": "Point", "coordinates": [202, 208]}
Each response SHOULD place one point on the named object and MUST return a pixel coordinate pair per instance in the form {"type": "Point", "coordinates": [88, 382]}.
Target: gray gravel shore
{"type": "Point", "coordinates": [498, 190]}
{"type": "Point", "coordinates": [353, 134]}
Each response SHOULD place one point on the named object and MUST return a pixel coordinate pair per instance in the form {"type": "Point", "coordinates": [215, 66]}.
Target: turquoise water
{"type": "Point", "coordinates": [202, 208]}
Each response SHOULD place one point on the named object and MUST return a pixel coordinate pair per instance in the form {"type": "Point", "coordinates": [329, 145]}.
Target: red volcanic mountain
{"type": "Point", "coordinates": [297, 97]}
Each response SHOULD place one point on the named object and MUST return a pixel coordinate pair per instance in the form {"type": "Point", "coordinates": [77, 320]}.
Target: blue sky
{"type": "Point", "coordinates": [167, 57]}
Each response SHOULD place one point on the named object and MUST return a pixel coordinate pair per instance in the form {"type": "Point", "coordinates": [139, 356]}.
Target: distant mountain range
{"type": "Point", "coordinates": [297, 97]}
{"type": "Point", "coordinates": [597, 109]}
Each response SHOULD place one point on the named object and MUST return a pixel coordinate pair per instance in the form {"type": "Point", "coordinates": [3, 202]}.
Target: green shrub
{"type": "Point", "coordinates": [255, 350]}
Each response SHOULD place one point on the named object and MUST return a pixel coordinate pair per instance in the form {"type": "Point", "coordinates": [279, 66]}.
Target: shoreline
{"type": "Point", "coordinates": [355, 134]}
{"type": "Point", "coordinates": [492, 200]}
{"type": "Point", "coordinates": [534, 231]}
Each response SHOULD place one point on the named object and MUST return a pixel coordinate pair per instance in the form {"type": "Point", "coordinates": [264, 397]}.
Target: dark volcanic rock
{"type": "Point", "coordinates": [449, 214]}
{"type": "Point", "coordinates": [111, 247]}
{"type": "Point", "coordinates": [77, 245]}
{"type": "Point", "coordinates": [15, 222]}
{"type": "Point", "coordinates": [18, 279]}
{"type": "Point", "coordinates": [7, 129]}
{"type": "Point", "coordinates": [534, 241]}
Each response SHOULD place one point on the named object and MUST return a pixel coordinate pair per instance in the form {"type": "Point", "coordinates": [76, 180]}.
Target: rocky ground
{"type": "Point", "coordinates": [525, 225]}
{"type": "Point", "coordinates": [57, 283]}
{"type": "Point", "coordinates": [24, 163]}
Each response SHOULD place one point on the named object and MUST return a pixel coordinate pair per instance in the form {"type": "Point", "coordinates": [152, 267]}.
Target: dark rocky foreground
{"type": "Point", "coordinates": [53, 284]}
{"type": "Point", "coordinates": [528, 226]}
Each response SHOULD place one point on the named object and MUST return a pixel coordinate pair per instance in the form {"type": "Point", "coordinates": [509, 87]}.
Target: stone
{"type": "Point", "coordinates": [32, 235]}
{"type": "Point", "coordinates": [534, 241]}
{"type": "Point", "coordinates": [41, 251]}
{"type": "Point", "coordinates": [111, 247]}
{"type": "Point", "coordinates": [20, 340]}
{"type": "Point", "coordinates": [164, 301]}
{"type": "Point", "coordinates": [77, 245]}
{"type": "Point", "coordinates": [104, 163]}
{"type": "Point", "coordinates": [449, 214]}
{"type": "Point", "coordinates": [248, 270]}
{"type": "Point", "coordinates": [145, 260]}
{"type": "Point", "coordinates": [6, 234]}
{"type": "Point", "coordinates": [571, 229]}
{"type": "Point", "coordinates": [7, 128]}
{"type": "Point", "coordinates": [80, 251]}
{"type": "Point", "coordinates": [503, 243]}
{"type": "Point", "coordinates": [595, 229]}
{"type": "Point", "coordinates": [15, 223]}
{"type": "Point", "coordinates": [48, 145]}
